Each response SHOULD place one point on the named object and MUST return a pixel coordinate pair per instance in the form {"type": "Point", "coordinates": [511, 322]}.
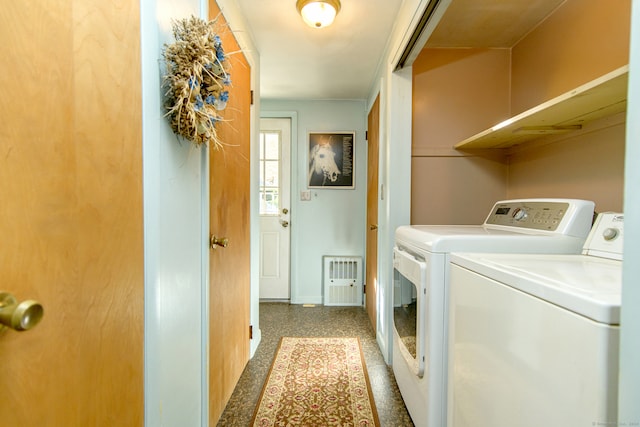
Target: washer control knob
{"type": "Point", "coordinates": [610, 233]}
{"type": "Point", "coordinates": [519, 214]}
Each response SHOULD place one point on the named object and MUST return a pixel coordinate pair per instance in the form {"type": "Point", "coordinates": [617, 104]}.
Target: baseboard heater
{"type": "Point", "coordinates": [342, 278]}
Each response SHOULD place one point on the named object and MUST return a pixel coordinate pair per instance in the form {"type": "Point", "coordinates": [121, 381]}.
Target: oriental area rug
{"type": "Point", "coordinates": [317, 382]}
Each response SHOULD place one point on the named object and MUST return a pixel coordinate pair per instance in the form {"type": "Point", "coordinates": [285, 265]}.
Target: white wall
{"type": "Point", "coordinates": [175, 219]}
{"type": "Point", "coordinates": [394, 194]}
{"type": "Point", "coordinates": [629, 389]}
{"type": "Point", "coordinates": [333, 222]}
{"type": "Point", "coordinates": [176, 226]}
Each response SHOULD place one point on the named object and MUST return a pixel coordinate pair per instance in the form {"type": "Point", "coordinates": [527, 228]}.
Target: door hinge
{"type": "Point", "coordinates": [250, 332]}
{"type": "Point", "coordinates": [251, 97]}
{"type": "Point", "coordinates": [366, 135]}
{"type": "Point", "coordinates": [364, 289]}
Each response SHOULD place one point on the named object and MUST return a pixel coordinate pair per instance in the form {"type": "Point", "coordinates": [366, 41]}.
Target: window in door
{"type": "Point", "coordinates": [269, 172]}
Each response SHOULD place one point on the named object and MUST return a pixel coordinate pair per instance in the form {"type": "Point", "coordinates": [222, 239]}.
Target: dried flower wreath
{"type": "Point", "coordinates": [196, 79]}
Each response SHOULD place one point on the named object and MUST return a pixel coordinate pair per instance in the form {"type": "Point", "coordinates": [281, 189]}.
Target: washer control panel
{"type": "Point", "coordinates": [537, 215]}
{"type": "Point", "coordinates": [606, 237]}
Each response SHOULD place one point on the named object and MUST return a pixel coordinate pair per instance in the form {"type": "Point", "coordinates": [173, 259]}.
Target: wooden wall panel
{"type": "Point", "coordinates": [585, 166]}
{"type": "Point", "coordinates": [580, 41]}
{"type": "Point", "coordinates": [71, 212]}
{"type": "Point", "coordinates": [457, 93]}
{"type": "Point", "coordinates": [229, 217]}
{"type": "Point", "coordinates": [455, 190]}
{"type": "Point", "coordinates": [453, 99]}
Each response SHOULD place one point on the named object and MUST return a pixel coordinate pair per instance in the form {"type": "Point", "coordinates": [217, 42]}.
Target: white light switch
{"type": "Point", "coordinates": [305, 196]}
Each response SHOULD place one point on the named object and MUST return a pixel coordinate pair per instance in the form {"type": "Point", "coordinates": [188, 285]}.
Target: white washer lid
{"type": "Point", "coordinates": [477, 238]}
{"type": "Point", "coordinates": [587, 285]}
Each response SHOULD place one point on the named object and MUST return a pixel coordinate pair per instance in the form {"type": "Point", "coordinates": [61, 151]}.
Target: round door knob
{"type": "Point", "coordinates": [19, 316]}
{"type": "Point", "coordinates": [214, 242]}
{"type": "Point", "coordinates": [373, 227]}
{"type": "Point", "coordinates": [285, 224]}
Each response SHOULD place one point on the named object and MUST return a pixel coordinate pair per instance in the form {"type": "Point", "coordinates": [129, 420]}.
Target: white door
{"type": "Point", "coordinates": [275, 162]}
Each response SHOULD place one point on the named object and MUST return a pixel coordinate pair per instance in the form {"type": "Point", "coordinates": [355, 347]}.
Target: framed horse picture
{"type": "Point", "coordinates": [331, 160]}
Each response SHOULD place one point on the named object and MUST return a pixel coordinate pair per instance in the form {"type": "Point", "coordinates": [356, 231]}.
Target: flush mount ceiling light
{"type": "Point", "coordinates": [318, 13]}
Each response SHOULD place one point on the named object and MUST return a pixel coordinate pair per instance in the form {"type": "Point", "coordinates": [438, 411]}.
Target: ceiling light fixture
{"type": "Point", "coordinates": [318, 13]}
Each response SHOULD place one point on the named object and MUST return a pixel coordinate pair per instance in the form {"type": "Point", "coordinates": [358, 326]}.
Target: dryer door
{"type": "Point", "coordinates": [410, 302]}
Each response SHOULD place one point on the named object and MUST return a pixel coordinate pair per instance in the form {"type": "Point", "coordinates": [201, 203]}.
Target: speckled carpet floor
{"type": "Point", "coordinates": [281, 319]}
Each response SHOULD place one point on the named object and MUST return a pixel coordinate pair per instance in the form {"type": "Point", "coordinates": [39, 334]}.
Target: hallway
{"type": "Point", "coordinates": [282, 319]}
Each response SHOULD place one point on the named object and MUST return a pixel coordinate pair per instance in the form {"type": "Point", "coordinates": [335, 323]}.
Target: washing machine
{"type": "Point", "coordinates": [421, 276]}
{"type": "Point", "coordinates": [534, 338]}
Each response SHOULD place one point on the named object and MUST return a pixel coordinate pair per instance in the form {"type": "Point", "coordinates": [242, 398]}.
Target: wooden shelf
{"type": "Point", "coordinates": [599, 98]}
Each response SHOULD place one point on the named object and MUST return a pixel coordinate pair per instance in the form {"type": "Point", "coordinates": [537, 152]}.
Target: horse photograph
{"type": "Point", "coordinates": [331, 160]}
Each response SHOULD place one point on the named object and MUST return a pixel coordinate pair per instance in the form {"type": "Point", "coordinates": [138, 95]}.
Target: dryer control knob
{"type": "Point", "coordinates": [610, 233]}
{"type": "Point", "coordinates": [519, 214]}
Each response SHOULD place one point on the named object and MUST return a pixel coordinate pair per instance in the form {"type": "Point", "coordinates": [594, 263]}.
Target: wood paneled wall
{"type": "Point", "coordinates": [579, 42]}
{"type": "Point", "coordinates": [456, 92]}
{"type": "Point", "coordinates": [459, 92]}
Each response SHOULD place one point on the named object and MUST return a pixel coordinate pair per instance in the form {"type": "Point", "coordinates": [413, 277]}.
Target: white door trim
{"type": "Point", "coordinates": [294, 187]}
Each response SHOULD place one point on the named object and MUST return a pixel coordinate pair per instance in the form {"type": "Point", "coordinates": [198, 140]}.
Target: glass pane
{"type": "Point", "coordinates": [273, 207]}
{"type": "Point", "coordinates": [261, 174]}
{"type": "Point", "coordinates": [271, 173]}
{"type": "Point", "coordinates": [263, 204]}
{"type": "Point", "coordinates": [269, 203]}
{"type": "Point", "coordinates": [261, 145]}
{"type": "Point", "coordinates": [405, 315]}
{"type": "Point", "coordinates": [272, 146]}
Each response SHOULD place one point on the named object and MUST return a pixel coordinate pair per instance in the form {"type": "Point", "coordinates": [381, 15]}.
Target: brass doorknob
{"type": "Point", "coordinates": [373, 227]}
{"type": "Point", "coordinates": [284, 224]}
{"type": "Point", "coordinates": [214, 242]}
{"type": "Point", "coordinates": [22, 316]}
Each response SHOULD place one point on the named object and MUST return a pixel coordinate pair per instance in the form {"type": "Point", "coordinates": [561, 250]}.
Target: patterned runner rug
{"type": "Point", "coordinates": [317, 382]}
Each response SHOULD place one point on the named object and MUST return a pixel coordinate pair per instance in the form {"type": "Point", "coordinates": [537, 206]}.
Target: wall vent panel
{"type": "Point", "coordinates": [342, 279]}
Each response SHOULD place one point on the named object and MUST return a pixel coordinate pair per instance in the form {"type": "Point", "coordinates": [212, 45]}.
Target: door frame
{"type": "Point", "coordinates": [293, 189]}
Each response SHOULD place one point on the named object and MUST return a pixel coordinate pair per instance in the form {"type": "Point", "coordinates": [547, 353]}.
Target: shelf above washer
{"type": "Point", "coordinates": [596, 99]}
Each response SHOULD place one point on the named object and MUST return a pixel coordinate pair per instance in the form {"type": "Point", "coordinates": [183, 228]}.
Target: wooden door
{"type": "Point", "coordinates": [71, 212]}
{"type": "Point", "coordinates": [373, 144]}
{"type": "Point", "coordinates": [229, 217]}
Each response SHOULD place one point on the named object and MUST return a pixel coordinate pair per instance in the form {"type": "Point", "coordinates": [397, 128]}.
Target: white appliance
{"type": "Point", "coordinates": [421, 263]}
{"type": "Point", "coordinates": [534, 338]}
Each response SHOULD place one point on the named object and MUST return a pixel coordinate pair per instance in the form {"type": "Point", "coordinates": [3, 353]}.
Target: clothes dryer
{"type": "Point", "coordinates": [534, 338]}
{"type": "Point", "coordinates": [421, 277]}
